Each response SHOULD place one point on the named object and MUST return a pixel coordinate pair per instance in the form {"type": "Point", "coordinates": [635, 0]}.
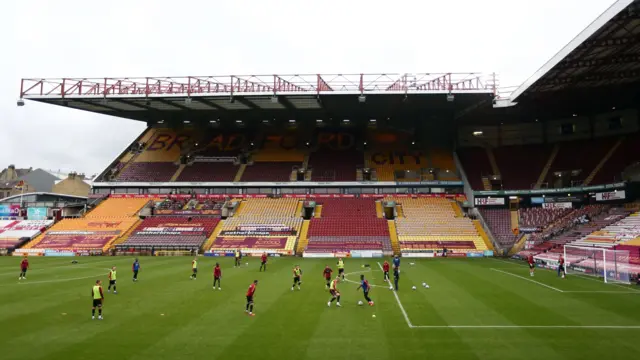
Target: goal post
{"type": "Point", "coordinates": [609, 264]}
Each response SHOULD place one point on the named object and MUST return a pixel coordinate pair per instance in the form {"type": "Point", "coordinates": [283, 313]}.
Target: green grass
{"type": "Point", "coordinates": [48, 316]}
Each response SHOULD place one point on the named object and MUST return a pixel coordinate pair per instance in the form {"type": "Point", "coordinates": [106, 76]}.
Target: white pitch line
{"type": "Point", "coordinates": [359, 272]}
{"type": "Point", "coordinates": [601, 292]}
{"type": "Point", "coordinates": [579, 276]}
{"type": "Point", "coordinates": [27, 282]}
{"type": "Point", "coordinates": [626, 327]}
{"type": "Point", "coordinates": [524, 278]}
{"type": "Point", "coordinates": [404, 313]}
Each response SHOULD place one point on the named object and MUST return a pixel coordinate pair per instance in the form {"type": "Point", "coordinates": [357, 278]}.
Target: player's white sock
{"type": "Point", "coordinates": [93, 318]}
{"type": "Point", "coordinates": [329, 304]}
{"type": "Point", "coordinates": [338, 304]}
{"type": "Point", "coordinates": [219, 288]}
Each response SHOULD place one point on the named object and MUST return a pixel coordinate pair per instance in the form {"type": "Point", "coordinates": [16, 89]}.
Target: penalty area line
{"type": "Point", "coordinates": [524, 278]}
{"type": "Point", "coordinates": [404, 312]}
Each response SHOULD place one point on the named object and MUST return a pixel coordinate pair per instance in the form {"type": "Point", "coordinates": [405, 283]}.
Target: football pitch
{"type": "Point", "coordinates": [473, 309]}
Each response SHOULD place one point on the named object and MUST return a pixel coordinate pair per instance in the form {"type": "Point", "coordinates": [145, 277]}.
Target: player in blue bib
{"type": "Point", "coordinates": [364, 284]}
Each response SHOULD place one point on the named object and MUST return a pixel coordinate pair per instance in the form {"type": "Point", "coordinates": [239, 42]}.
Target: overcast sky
{"type": "Point", "coordinates": [69, 38]}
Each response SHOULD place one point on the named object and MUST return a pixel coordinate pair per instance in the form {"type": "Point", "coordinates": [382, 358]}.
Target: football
{"type": "Point", "coordinates": [359, 302]}
{"type": "Point", "coordinates": [413, 288]}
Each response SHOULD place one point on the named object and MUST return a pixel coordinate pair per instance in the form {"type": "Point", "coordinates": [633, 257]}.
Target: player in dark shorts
{"type": "Point", "coordinates": [97, 295]}
{"type": "Point", "coordinates": [250, 292]}
{"type": "Point", "coordinates": [24, 266]}
{"type": "Point", "coordinates": [561, 267]}
{"type": "Point", "coordinates": [297, 277]}
{"type": "Point", "coordinates": [263, 262]}
{"type": "Point", "coordinates": [327, 275]}
{"type": "Point", "coordinates": [532, 265]}
{"type": "Point", "coordinates": [364, 284]}
{"type": "Point", "coordinates": [217, 275]}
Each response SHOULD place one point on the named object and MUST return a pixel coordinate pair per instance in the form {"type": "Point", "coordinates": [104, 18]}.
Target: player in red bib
{"type": "Point", "coordinates": [24, 266]}
{"type": "Point", "coordinates": [561, 266]}
{"type": "Point", "coordinates": [326, 273]}
{"type": "Point", "coordinates": [263, 260]}
{"type": "Point", "coordinates": [385, 270]}
{"type": "Point", "coordinates": [532, 265]}
{"type": "Point", "coordinates": [250, 293]}
{"type": "Point", "coordinates": [217, 275]}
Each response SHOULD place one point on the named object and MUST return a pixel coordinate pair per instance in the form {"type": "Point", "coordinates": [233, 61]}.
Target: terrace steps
{"type": "Point", "coordinates": [318, 212]}
{"type": "Point", "coordinates": [486, 183]}
{"type": "Point", "coordinates": [303, 240]}
{"type": "Point", "coordinates": [393, 236]}
{"type": "Point", "coordinates": [122, 238]}
{"type": "Point", "coordinates": [209, 243]}
{"type": "Point", "coordinates": [456, 209]}
{"type": "Point", "coordinates": [519, 245]}
{"type": "Point", "coordinates": [178, 172]}
{"type": "Point", "coordinates": [547, 166]}
{"type": "Point", "coordinates": [492, 161]}
{"type": "Point", "coordinates": [399, 211]}
{"type": "Point", "coordinates": [603, 161]}
{"type": "Point", "coordinates": [240, 172]}
{"type": "Point", "coordinates": [379, 212]}
{"type": "Point", "coordinates": [299, 208]}
{"type": "Point", "coordinates": [515, 219]}
{"type": "Point", "coordinates": [483, 234]}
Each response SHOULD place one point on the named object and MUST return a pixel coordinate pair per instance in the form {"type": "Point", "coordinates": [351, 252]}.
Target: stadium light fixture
{"type": "Point", "coordinates": [160, 121]}
{"type": "Point", "coordinates": [20, 102]}
{"type": "Point", "coordinates": [613, 108]}
{"type": "Point", "coordinates": [373, 121]}
{"type": "Point", "coordinates": [274, 99]}
{"type": "Point", "coordinates": [413, 143]}
{"type": "Point", "coordinates": [238, 121]}
{"type": "Point", "coordinates": [292, 121]}
{"type": "Point", "coordinates": [187, 101]}
{"type": "Point", "coordinates": [187, 122]}
{"type": "Point", "coordinates": [362, 98]}
{"type": "Point", "coordinates": [450, 97]}
{"type": "Point", "coordinates": [265, 121]}
{"type": "Point", "coordinates": [574, 115]}
{"type": "Point", "coordinates": [319, 121]}
{"type": "Point", "coordinates": [365, 143]}
{"type": "Point", "coordinates": [477, 133]}
{"type": "Point", "coordinates": [346, 121]}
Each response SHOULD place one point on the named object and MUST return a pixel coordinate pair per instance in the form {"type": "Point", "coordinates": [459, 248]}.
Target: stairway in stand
{"type": "Point", "coordinates": [483, 234]}
{"type": "Point", "coordinates": [318, 212]}
{"type": "Point", "coordinates": [393, 235]}
{"type": "Point", "coordinates": [240, 172]}
{"type": "Point", "coordinates": [606, 158]}
{"type": "Point", "coordinates": [379, 212]}
{"type": "Point", "coordinates": [121, 239]}
{"type": "Point", "coordinates": [209, 243]}
{"type": "Point", "coordinates": [303, 240]}
{"type": "Point", "coordinates": [178, 172]}
{"type": "Point", "coordinates": [547, 166]}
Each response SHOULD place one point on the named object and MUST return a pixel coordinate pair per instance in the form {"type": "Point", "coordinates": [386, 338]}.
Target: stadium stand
{"type": "Point", "coordinates": [15, 233]}
{"type": "Point", "coordinates": [442, 161]}
{"type": "Point", "coordinates": [399, 163]}
{"type": "Point", "coordinates": [269, 171]}
{"type": "Point", "coordinates": [476, 165]}
{"type": "Point", "coordinates": [262, 224]}
{"type": "Point", "coordinates": [431, 224]}
{"type": "Point", "coordinates": [515, 174]}
{"type": "Point", "coordinates": [348, 224]}
{"type": "Point", "coordinates": [334, 165]}
{"type": "Point", "coordinates": [209, 171]}
{"type": "Point", "coordinates": [499, 221]}
{"type": "Point", "coordinates": [582, 155]}
{"type": "Point", "coordinates": [96, 231]}
{"type": "Point", "coordinates": [624, 156]}
{"type": "Point", "coordinates": [624, 230]}
{"type": "Point", "coordinates": [171, 233]}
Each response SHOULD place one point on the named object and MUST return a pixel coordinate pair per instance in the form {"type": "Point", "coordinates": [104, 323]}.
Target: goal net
{"type": "Point", "coordinates": [611, 265]}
